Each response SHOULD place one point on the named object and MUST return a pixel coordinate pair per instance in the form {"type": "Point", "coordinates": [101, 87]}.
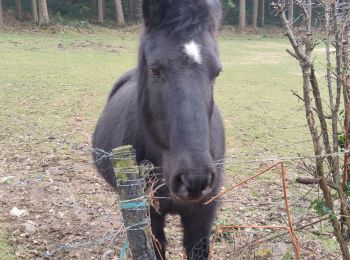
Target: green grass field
{"type": "Point", "coordinates": [49, 77]}
{"type": "Point", "coordinates": [56, 84]}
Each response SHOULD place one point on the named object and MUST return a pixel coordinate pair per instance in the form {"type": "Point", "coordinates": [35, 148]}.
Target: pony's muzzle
{"type": "Point", "coordinates": [193, 185]}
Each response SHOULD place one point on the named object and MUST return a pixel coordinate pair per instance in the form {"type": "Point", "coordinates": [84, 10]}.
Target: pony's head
{"type": "Point", "coordinates": [178, 64]}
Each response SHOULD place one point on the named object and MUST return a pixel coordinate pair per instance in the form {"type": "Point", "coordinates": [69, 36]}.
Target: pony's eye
{"type": "Point", "coordinates": [217, 73]}
{"type": "Point", "coordinates": [218, 70]}
{"type": "Point", "coordinates": [155, 72]}
{"type": "Point", "coordinates": [215, 70]}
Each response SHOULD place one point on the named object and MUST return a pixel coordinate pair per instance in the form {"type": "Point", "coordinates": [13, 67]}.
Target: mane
{"type": "Point", "coordinates": [182, 16]}
{"type": "Point", "coordinates": [121, 82]}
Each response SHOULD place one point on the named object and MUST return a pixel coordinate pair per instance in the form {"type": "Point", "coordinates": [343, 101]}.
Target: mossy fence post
{"type": "Point", "coordinates": [133, 203]}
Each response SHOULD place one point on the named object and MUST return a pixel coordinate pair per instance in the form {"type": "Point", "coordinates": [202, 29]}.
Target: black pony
{"type": "Point", "coordinates": [165, 109]}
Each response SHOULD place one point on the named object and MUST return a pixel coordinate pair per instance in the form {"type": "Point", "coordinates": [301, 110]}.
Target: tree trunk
{"type": "Point", "coordinates": [242, 15]}
{"type": "Point", "coordinates": [93, 7]}
{"type": "Point", "coordinates": [19, 9]}
{"type": "Point", "coordinates": [262, 13]}
{"type": "Point", "coordinates": [100, 11]}
{"type": "Point", "coordinates": [306, 22]}
{"type": "Point", "coordinates": [309, 10]}
{"type": "Point", "coordinates": [35, 11]}
{"type": "Point", "coordinates": [43, 13]}
{"type": "Point", "coordinates": [130, 10]}
{"type": "Point", "coordinates": [40, 13]}
{"type": "Point", "coordinates": [119, 12]}
{"type": "Point", "coordinates": [255, 15]}
{"type": "Point", "coordinates": [291, 12]}
{"type": "Point", "coordinates": [346, 93]}
{"type": "Point", "coordinates": [1, 14]}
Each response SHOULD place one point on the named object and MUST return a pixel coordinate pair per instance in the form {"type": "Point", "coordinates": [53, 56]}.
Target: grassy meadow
{"type": "Point", "coordinates": [46, 78]}
{"type": "Point", "coordinates": [54, 84]}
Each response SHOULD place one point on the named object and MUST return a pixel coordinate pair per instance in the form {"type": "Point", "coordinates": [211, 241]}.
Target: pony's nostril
{"type": "Point", "coordinates": [180, 184]}
{"type": "Point", "coordinates": [183, 179]}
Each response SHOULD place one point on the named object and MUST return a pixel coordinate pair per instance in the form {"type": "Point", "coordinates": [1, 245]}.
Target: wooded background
{"type": "Point", "coordinates": [242, 13]}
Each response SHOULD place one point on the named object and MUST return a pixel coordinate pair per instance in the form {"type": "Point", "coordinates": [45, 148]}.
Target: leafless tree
{"type": "Point", "coordinates": [100, 11]}
{"type": "Point", "coordinates": [255, 14]}
{"type": "Point", "coordinates": [309, 13]}
{"type": "Point", "coordinates": [35, 11]}
{"type": "Point", "coordinates": [43, 13]}
{"type": "Point", "coordinates": [19, 9]}
{"type": "Point", "coordinates": [291, 11]}
{"type": "Point", "coordinates": [130, 10]}
{"type": "Point", "coordinates": [262, 13]}
{"type": "Point", "coordinates": [242, 15]}
{"type": "Point", "coordinates": [119, 12]}
{"type": "Point", "coordinates": [325, 141]}
{"type": "Point", "coordinates": [1, 14]}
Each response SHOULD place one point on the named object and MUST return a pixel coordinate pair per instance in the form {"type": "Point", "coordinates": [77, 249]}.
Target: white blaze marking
{"type": "Point", "coordinates": [193, 50]}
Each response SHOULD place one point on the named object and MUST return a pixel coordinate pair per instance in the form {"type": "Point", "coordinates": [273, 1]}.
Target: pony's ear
{"type": "Point", "coordinates": [215, 10]}
{"type": "Point", "coordinates": [152, 10]}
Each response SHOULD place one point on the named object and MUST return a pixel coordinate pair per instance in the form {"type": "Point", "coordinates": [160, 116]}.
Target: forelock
{"type": "Point", "coordinates": [184, 16]}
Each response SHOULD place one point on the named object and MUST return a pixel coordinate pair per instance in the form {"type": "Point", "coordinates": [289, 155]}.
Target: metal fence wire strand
{"type": "Point", "coordinates": [147, 167]}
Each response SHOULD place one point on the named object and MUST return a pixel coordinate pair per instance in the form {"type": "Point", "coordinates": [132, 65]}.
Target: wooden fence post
{"type": "Point", "coordinates": [133, 203]}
